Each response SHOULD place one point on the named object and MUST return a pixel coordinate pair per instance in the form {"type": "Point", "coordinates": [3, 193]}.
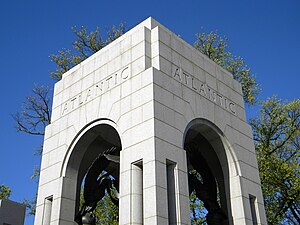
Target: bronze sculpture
{"type": "Point", "coordinates": [102, 176]}
{"type": "Point", "coordinates": [206, 189]}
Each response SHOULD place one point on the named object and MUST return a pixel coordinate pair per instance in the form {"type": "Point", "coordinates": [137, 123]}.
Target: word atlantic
{"type": "Point", "coordinates": [204, 90]}
{"type": "Point", "coordinates": [96, 90]}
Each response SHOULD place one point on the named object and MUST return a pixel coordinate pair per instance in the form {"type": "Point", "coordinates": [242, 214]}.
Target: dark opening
{"type": "Point", "coordinates": [171, 187]}
{"type": "Point", "coordinates": [95, 162]}
{"type": "Point", "coordinates": [207, 183]}
{"type": "Point", "coordinates": [252, 200]}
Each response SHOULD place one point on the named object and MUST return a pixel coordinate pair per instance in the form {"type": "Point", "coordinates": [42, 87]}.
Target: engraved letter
{"type": "Point", "coordinates": [177, 73]}
{"type": "Point", "coordinates": [185, 77]}
{"type": "Point", "coordinates": [88, 94]}
{"type": "Point", "coordinates": [193, 85]}
{"type": "Point", "coordinates": [108, 79]}
{"type": "Point", "coordinates": [65, 108]}
{"type": "Point", "coordinates": [80, 99]}
{"type": "Point", "coordinates": [126, 75]}
{"type": "Point", "coordinates": [73, 100]}
{"type": "Point", "coordinates": [203, 90]}
{"type": "Point", "coordinates": [232, 107]}
{"type": "Point", "coordinates": [220, 99]}
{"type": "Point", "coordinates": [212, 95]}
{"type": "Point", "coordinates": [226, 103]}
{"type": "Point", "coordinates": [98, 86]}
{"type": "Point", "coordinates": [116, 79]}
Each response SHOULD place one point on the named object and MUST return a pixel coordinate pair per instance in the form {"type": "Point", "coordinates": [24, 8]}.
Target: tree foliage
{"type": "Point", "coordinates": [4, 192]}
{"type": "Point", "coordinates": [36, 112]}
{"type": "Point", "coordinates": [84, 46]}
{"type": "Point", "coordinates": [197, 210]}
{"type": "Point", "coordinates": [277, 142]}
{"type": "Point", "coordinates": [217, 49]}
{"type": "Point", "coordinates": [30, 206]}
{"type": "Point", "coordinates": [107, 213]}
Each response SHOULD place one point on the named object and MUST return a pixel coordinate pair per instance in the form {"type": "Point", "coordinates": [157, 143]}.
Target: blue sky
{"type": "Point", "coordinates": [265, 33]}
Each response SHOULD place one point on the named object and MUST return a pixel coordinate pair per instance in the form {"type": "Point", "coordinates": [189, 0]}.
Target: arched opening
{"type": "Point", "coordinates": [93, 163]}
{"type": "Point", "coordinates": [208, 176]}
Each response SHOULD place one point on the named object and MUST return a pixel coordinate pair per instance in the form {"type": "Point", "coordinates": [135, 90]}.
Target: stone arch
{"type": "Point", "coordinates": [91, 141]}
{"type": "Point", "coordinates": [218, 154]}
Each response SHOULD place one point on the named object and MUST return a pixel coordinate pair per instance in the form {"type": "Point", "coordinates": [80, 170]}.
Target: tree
{"type": "Point", "coordinates": [277, 141]}
{"type": "Point", "coordinates": [30, 206]}
{"type": "Point", "coordinates": [84, 46]}
{"type": "Point", "coordinates": [4, 192]}
{"type": "Point", "coordinates": [197, 210]}
{"type": "Point", "coordinates": [216, 48]}
{"type": "Point", "coordinates": [106, 212]}
{"type": "Point", "coordinates": [36, 112]}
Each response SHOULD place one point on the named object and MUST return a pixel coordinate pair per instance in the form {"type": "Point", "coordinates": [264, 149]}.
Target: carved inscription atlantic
{"type": "Point", "coordinates": [96, 90]}
{"type": "Point", "coordinates": [203, 89]}
{"type": "Point", "coordinates": [113, 80]}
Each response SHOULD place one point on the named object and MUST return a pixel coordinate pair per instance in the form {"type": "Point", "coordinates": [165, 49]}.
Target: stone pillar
{"type": "Point", "coordinates": [47, 211]}
{"type": "Point", "coordinates": [137, 193]}
{"type": "Point", "coordinates": [171, 188]}
{"type": "Point", "coordinates": [172, 181]}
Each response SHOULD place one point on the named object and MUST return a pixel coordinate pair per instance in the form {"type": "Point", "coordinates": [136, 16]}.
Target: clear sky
{"type": "Point", "coordinates": [266, 33]}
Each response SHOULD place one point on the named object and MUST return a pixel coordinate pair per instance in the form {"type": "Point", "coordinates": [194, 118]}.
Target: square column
{"type": "Point", "coordinates": [153, 185]}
